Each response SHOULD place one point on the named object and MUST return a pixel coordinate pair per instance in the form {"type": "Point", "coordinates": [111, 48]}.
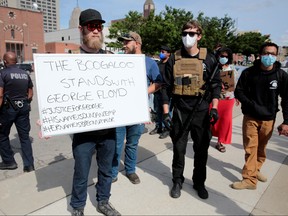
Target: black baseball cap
{"type": "Point", "coordinates": [90, 15]}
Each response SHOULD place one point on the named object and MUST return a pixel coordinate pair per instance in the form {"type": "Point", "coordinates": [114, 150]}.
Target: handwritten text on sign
{"type": "Point", "coordinates": [228, 80]}
{"type": "Point", "coordinates": [84, 92]}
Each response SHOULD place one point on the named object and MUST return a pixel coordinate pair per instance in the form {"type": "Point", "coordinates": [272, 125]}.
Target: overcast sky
{"type": "Point", "coordinates": [267, 16]}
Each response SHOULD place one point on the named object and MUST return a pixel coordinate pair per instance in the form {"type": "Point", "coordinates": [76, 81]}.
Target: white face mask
{"type": "Point", "coordinates": [189, 41]}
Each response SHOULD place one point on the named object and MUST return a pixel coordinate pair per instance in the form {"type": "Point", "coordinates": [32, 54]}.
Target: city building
{"type": "Point", "coordinates": [74, 19]}
{"type": "Point", "coordinates": [56, 47]}
{"type": "Point", "coordinates": [49, 8]}
{"type": "Point", "coordinates": [64, 41]}
{"type": "Point", "coordinates": [68, 37]}
{"type": "Point", "coordinates": [148, 7]}
{"type": "Point", "coordinates": [21, 31]}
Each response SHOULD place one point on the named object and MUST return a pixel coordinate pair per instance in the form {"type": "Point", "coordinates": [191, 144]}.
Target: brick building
{"type": "Point", "coordinates": [50, 9]}
{"type": "Point", "coordinates": [21, 31]}
{"type": "Point", "coordinates": [58, 47]}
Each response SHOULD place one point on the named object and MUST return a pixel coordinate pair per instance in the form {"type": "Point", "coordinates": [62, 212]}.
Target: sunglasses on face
{"type": "Point", "coordinates": [191, 34]}
{"type": "Point", "coordinates": [92, 26]}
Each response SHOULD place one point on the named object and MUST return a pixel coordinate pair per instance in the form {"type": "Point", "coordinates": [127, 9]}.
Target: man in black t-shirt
{"type": "Point", "coordinates": [16, 92]}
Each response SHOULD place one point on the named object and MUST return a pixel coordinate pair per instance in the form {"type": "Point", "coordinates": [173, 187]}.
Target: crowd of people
{"type": "Point", "coordinates": [194, 94]}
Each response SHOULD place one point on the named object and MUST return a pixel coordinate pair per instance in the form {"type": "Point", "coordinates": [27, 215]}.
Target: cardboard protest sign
{"type": "Point", "coordinates": [228, 80]}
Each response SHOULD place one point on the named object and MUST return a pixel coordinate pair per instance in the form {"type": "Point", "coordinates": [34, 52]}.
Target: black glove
{"type": "Point", "coordinates": [213, 116]}
{"type": "Point", "coordinates": [279, 128]}
{"type": "Point", "coordinates": [167, 121]}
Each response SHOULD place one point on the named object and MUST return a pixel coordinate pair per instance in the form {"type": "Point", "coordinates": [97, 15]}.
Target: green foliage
{"type": "Point", "coordinates": [132, 22]}
{"type": "Point", "coordinates": [165, 28]}
{"type": "Point", "coordinates": [155, 31]}
{"type": "Point", "coordinates": [216, 30]}
{"type": "Point", "coordinates": [171, 23]}
{"type": "Point", "coordinates": [248, 43]}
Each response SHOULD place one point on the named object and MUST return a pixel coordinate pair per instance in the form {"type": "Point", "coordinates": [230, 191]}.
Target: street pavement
{"type": "Point", "coordinates": [47, 190]}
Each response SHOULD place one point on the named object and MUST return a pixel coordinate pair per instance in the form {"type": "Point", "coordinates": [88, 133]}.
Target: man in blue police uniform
{"type": "Point", "coordinates": [16, 92]}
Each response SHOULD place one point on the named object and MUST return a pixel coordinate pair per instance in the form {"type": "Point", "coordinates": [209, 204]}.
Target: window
{"type": "Point", "coordinates": [11, 14]}
{"type": "Point", "coordinates": [13, 47]}
{"type": "Point", "coordinates": [12, 33]}
{"type": "Point", "coordinates": [17, 48]}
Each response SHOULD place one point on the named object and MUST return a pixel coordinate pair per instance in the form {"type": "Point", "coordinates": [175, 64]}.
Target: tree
{"type": "Point", "coordinates": [216, 30]}
{"type": "Point", "coordinates": [132, 22]}
{"type": "Point", "coordinates": [172, 22]}
{"type": "Point", "coordinates": [248, 43]}
{"type": "Point", "coordinates": [165, 29]}
{"type": "Point", "coordinates": [155, 31]}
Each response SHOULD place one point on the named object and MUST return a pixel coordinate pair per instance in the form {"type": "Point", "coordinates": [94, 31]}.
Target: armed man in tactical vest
{"type": "Point", "coordinates": [193, 82]}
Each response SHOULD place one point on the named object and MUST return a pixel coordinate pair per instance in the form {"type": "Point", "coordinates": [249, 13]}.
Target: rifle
{"type": "Point", "coordinates": [196, 107]}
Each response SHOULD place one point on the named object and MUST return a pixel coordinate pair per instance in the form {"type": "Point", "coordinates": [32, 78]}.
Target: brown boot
{"type": "Point", "coordinates": [243, 185]}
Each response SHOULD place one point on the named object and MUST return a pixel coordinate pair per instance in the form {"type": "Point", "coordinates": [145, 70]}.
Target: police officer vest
{"type": "Point", "coordinates": [188, 74]}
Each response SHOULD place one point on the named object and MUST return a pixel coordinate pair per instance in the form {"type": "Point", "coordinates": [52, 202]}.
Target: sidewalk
{"type": "Point", "coordinates": [47, 190]}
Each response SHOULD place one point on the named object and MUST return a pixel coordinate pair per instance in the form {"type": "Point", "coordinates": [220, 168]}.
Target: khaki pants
{"type": "Point", "coordinates": [255, 138]}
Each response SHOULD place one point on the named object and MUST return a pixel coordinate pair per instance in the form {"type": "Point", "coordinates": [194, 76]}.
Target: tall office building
{"type": "Point", "coordinates": [74, 18]}
{"type": "Point", "coordinates": [49, 8]}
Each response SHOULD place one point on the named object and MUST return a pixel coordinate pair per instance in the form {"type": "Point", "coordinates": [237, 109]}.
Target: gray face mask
{"type": "Point", "coordinates": [189, 41]}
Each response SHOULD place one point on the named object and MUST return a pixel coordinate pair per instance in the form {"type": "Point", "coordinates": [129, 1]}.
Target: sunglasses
{"type": "Point", "coordinates": [92, 26]}
{"type": "Point", "coordinates": [191, 34]}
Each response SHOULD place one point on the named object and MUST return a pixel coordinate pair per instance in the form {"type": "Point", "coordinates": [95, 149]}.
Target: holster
{"type": "Point", "coordinates": [9, 103]}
